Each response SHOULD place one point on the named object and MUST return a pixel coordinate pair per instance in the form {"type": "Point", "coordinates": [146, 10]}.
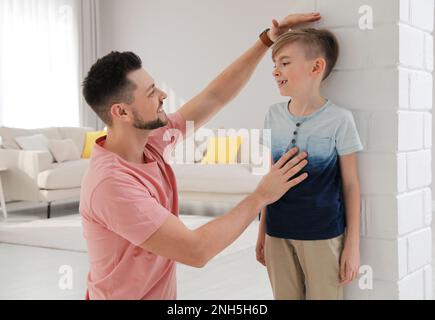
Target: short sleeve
{"type": "Point", "coordinates": [347, 138]}
{"type": "Point", "coordinates": [126, 208]}
{"type": "Point", "coordinates": [170, 134]}
{"type": "Point", "coordinates": [266, 136]}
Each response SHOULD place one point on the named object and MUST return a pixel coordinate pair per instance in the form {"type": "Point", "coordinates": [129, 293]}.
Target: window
{"type": "Point", "coordinates": [39, 63]}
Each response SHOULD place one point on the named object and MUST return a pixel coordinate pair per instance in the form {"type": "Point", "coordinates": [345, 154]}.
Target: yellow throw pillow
{"type": "Point", "coordinates": [90, 142]}
{"type": "Point", "coordinates": [222, 150]}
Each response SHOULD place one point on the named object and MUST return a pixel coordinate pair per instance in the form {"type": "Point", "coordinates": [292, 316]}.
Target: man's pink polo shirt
{"type": "Point", "coordinates": [122, 204]}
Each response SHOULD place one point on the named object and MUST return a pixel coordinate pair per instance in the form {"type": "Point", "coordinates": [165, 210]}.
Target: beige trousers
{"type": "Point", "coordinates": [301, 269]}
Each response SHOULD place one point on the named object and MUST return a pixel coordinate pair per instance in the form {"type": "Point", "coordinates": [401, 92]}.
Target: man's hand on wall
{"type": "Point", "coordinates": [291, 21]}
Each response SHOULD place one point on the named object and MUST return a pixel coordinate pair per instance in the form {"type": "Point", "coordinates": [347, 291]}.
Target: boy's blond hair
{"type": "Point", "coordinates": [316, 43]}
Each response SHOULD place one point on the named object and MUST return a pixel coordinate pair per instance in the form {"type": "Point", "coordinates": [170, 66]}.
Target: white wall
{"type": "Point", "coordinates": [185, 44]}
{"type": "Point", "coordinates": [433, 119]}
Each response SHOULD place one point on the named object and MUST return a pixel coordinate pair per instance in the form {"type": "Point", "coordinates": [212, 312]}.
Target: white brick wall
{"type": "Point", "coordinates": [422, 14]}
{"type": "Point", "coordinates": [410, 212]}
{"type": "Point", "coordinates": [412, 287]}
{"type": "Point", "coordinates": [346, 13]}
{"type": "Point", "coordinates": [363, 49]}
{"type": "Point", "coordinates": [411, 50]}
{"type": "Point", "coordinates": [419, 249]}
{"type": "Point", "coordinates": [419, 169]}
{"type": "Point", "coordinates": [429, 53]}
{"type": "Point", "coordinates": [411, 132]}
{"type": "Point", "coordinates": [385, 77]}
{"type": "Point", "coordinates": [421, 90]}
{"type": "Point", "coordinates": [427, 130]}
{"type": "Point", "coordinates": [427, 207]}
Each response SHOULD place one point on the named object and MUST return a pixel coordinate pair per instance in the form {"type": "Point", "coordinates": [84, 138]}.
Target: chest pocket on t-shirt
{"type": "Point", "coordinates": [319, 147]}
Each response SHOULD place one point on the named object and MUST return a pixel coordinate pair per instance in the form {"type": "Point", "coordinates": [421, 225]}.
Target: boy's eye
{"type": "Point", "coordinates": [280, 65]}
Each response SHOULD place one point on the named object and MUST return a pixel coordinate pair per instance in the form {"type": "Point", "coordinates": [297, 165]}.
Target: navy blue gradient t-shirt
{"type": "Point", "coordinates": [314, 209]}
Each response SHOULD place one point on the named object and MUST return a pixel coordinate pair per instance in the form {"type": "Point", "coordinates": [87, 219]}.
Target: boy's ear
{"type": "Point", "coordinates": [319, 66]}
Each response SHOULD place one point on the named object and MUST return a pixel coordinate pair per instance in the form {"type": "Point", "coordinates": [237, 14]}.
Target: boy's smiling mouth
{"type": "Point", "coordinates": [281, 83]}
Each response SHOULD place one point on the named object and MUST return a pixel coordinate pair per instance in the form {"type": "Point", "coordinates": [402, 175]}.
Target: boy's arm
{"type": "Point", "coordinates": [350, 259]}
{"type": "Point", "coordinates": [229, 83]}
{"type": "Point", "coordinates": [259, 248]}
{"type": "Point", "coordinates": [262, 226]}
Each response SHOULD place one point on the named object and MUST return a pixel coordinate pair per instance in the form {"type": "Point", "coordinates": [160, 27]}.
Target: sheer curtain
{"type": "Point", "coordinates": [39, 63]}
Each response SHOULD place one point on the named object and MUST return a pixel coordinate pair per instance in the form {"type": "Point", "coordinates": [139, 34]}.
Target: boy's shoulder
{"type": "Point", "coordinates": [278, 107]}
{"type": "Point", "coordinates": [333, 111]}
{"type": "Point", "coordinates": [338, 111]}
{"type": "Point", "coordinates": [276, 112]}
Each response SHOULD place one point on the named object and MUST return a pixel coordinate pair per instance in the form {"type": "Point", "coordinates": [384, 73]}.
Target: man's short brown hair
{"type": "Point", "coordinates": [316, 43]}
{"type": "Point", "coordinates": [107, 83]}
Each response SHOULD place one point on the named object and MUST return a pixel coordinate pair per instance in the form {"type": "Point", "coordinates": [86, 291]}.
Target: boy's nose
{"type": "Point", "coordinates": [275, 72]}
{"type": "Point", "coordinates": [163, 94]}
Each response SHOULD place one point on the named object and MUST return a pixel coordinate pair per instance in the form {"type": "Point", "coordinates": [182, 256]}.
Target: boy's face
{"type": "Point", "coordinates": [294, 73]}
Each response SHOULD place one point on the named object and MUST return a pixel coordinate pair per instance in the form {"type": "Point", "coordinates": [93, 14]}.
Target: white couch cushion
{"type": "Point", "coordinates": [78, 135]}
{"type": "Point", "coordinates": [37, 142]}
{"type": "Point", "coordinates": [64, 150]}
{"type": "Point", "coordinates": [9, 134]}
{"type": "Point", "coordinates": [218, 178]}
{"type": "Point", "coordinates": [65, 175]}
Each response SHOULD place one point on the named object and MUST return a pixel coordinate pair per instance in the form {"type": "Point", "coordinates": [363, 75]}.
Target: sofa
{"type": "Point", "coordinates": [33, 176]}
{"type": "Point", "coordinates": [210, 187]}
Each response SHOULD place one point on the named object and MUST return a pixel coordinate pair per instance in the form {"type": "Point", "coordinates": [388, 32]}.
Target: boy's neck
{"type": "Point", "coordinates": [306, 105]}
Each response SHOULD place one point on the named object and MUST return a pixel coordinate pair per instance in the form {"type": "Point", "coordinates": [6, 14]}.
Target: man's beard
{"type": "Point", "coordinates": [150, 125]}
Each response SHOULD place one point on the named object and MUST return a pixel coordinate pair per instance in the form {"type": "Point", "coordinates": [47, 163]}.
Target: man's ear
{"type": "Point", "coordinates": [319, 66]}
{"type": "Point", "coordinates": [119, 111]}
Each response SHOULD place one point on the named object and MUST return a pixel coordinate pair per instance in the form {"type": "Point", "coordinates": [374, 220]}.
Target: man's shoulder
{"type": "Point", "coordinates": [101, 169]}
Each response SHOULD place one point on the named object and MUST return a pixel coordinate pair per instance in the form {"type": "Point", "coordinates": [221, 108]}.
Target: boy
{"type": "Point", "coordinates": [309, 239]}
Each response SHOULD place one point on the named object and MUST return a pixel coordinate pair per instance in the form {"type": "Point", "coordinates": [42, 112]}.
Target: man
{"type": "Point", "coordinates": [129, 202]}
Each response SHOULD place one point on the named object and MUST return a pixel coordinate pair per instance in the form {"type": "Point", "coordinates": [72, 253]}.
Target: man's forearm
{"type": "Point", "coordinates": [224, 87]}
{"type": "Point", "coordinates": [221, 232]}
{"type": "Point", "coordinates": [229, 83]}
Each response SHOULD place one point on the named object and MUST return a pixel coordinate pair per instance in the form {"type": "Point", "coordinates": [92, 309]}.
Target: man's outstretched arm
{"type": "Point", "coordinates": [228, 84]}
{"type": "Point", "coordinates": [196, 247]}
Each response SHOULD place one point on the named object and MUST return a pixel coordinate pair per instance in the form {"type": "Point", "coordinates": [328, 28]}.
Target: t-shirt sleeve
{"type": "Point", "coordinates": [347, 139]}
{"type": "Point", "coordinates": [266, 135]}
{"type": "Point", "coordinates": [127, 208]}
{"type": "Point", "coordinates": [171, 134]}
